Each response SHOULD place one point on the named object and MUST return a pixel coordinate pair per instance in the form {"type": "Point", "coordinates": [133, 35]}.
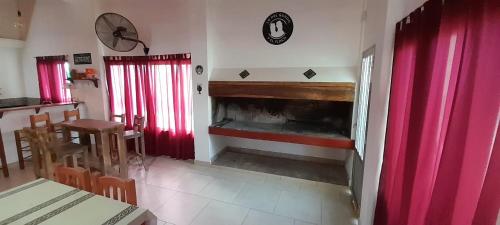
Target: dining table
{"type": "Point", "coordinates": [44, 201]}
{"type": "Point", "coordinates": [102, 130]}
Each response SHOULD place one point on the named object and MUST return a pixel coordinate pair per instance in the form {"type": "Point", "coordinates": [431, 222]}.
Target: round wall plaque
{"type": "Point", "coordinates": [277, 28]}
{"type": "Point", "coordinates": [199, 69]}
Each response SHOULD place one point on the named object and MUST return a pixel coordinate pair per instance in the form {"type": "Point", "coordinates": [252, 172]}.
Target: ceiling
{"type": "Point", "coordinates": [8, 16]}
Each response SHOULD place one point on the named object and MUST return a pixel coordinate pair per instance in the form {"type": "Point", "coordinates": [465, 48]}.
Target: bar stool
{"type": "Point", "coordinates": [3, 160]}
{"type": "Point", "coordinates": [138, 135]}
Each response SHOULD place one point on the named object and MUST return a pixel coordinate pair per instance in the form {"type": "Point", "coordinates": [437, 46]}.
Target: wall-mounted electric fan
{"type": "Point", "coordinates": [117, 33]}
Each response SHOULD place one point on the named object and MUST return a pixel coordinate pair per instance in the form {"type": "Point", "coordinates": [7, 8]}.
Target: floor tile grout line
{"type": "Point", "coordinates": [245, 218]}
{"type": "Point", "coordinates": [198, 214]}
{"type": "Point", "coordinates": [277, 203]}
{"type": "Point", "coordinates": [274, 214]}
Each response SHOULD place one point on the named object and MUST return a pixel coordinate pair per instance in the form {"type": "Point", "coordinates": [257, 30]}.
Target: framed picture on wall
{"type": "Point", "coordinates": [82, 58]}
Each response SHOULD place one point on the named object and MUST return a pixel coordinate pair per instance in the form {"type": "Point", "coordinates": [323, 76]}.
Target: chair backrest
{"type": "Point", "coordinates": [68, 115]}
{"type": "Point", "coordinates": [74, 177]}
{"type": "Point", "coordinates": [117, 189]}
{"type": "Point", "coordinates": [118, 118]}
{"type": "Point", "coordinates": [139, 124]}
{"type": "Point", "coordinates": [40, 139]}
{"type": "Point", "coordinates": [35, 119]}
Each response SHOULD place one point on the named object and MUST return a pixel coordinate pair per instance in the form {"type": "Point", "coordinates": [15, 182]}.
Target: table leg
{"type": "Point", "coordinates": [122, 154]}
{"type": "Point", "coordinates": [85, 140]}
{"type": "Point", "coordinates": [5, 169]}
{"type": "Point", "coordinates": [66, 133]}
{"type": "Point", "coordinates": [106, 156]}
{"type": "Point", "coordinates": [19, 147]}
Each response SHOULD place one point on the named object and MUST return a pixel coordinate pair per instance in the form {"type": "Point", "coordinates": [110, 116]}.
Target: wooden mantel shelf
{"type": "Point", "coordinates": [283, 137]}
{"type": "Point", "coordinates": [324, 91]}
{"type": "Point", "coordinates": [36, 107]}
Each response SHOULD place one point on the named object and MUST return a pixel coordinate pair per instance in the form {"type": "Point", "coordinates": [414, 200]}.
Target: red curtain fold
{"type": "Point", "coordinates": [159, 88]}
{"type": "Point", "coordinates": [52, 78]}
{"type": "Point", "coordinates": [441, 160]}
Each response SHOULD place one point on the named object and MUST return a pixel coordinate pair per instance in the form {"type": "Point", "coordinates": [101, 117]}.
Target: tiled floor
{"type": "Point", "coordinates": [180, 192]}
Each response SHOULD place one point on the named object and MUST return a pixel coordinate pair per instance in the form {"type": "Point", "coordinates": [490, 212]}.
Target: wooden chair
{"type": "Point", "coordinates": [41, 118]}
{"type": "Point", "coordinates": [3, 160]}
{"type": "Point", "coordinates": [74, 177]}
{"type": "Point", "coordinates": [117, 189]}
{"type": "Point", "coordinates": [22, 145]}
{"type": "Point", "coordinates": [138, 135]}
{"type": "Point", "coordinates": [49, 152]}
{"type": "Point", "coordinates": [69, 116]}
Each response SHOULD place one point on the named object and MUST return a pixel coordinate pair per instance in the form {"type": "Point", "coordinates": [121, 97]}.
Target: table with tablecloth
{"type": "Point", "coordinates": [46, 202]}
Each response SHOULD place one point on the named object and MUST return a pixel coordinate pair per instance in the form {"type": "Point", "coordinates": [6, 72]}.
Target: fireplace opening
{"type": "Point", "coordinates": [326, 119]}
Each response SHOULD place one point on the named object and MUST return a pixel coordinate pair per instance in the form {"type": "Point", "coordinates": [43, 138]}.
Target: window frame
{"type": "Point", "coordinates": [368, 54]}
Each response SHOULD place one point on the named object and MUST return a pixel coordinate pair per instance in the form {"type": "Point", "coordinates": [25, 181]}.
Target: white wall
{"type": "Point", "coordinates": [163, 25]}
{"type": "Point", "coordinates": [200, 55]}
{"type": "Point", "coordinates": [326, 33]}
{"type": "Point", "coordinates": [291, 74]}
{"type": "Point", "coordinates": [11, 85]}
{"type": "Point", "coordinates": [379, 29]}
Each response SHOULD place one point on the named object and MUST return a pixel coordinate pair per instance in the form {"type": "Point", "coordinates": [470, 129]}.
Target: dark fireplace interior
{"type": "Point", "coordinates": [328, 119]}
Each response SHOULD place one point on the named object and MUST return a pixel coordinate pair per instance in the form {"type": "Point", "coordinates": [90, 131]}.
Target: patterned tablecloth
{"type": "Point", "coordinates": [46, 202]}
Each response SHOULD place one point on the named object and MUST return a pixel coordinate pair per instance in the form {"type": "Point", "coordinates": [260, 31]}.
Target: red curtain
{"type": "Point", "coordinates": [441, 161]}
{"type": "Point", "coordinates": [52, 78]}
{"type": "Point", "coordinates": [159, 88]}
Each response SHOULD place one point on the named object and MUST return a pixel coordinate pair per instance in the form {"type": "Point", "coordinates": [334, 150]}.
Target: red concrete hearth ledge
{"type": "Point", "coordinates": [289, 138]}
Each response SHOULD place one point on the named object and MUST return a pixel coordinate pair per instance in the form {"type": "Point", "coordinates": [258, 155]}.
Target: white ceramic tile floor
{"type": "Point", "coordinates": [221, 213]}
{"type": "Point", "coordinates": [183, 193]}
{"type": "Point", "coordinates": [258, 218]}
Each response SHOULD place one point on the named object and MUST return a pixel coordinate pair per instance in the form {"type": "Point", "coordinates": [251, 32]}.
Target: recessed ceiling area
{"type": "Point", "coordinates": [9, 17]}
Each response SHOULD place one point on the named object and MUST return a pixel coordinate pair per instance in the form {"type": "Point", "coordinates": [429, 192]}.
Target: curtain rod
{"type": "Point", "coordinates": [67, 56]}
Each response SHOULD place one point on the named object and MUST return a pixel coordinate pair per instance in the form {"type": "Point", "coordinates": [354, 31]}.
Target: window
{"type": "Point", "coordinates": [167, 86]}
{"type": "Point", "coordinates": [52, 79]}
{"type": "Point", "coordinates": [158, 88]}
{"type": "Point", "coordinates": [364, 100]}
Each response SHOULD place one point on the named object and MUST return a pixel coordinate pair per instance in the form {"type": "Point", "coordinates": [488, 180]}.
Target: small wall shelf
{"type": "Point", "coordinates": [93, 80]}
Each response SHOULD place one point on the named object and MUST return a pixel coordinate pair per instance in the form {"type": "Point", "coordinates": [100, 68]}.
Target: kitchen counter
{"type": "Point", "coordinates": [15, 104]}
